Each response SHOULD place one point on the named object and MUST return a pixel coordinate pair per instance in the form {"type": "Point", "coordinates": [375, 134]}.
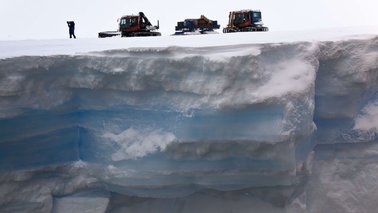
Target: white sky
{"type": "Point", "coordinates": [46, 19]}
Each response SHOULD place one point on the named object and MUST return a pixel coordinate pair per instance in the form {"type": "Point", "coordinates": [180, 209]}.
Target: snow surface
{"type": "Point", "coordinates": [78, 46]}
{"type": "Point", "coordinates": [228, 123]}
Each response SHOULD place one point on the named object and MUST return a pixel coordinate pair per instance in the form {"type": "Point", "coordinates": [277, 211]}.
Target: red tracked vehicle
{"type": "Point", "coordinates": [245, 21]}
{"type": "Point", "coordinates": [133, 25]}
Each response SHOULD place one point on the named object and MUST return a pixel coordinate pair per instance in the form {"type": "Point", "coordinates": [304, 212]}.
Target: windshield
{"type": "Point", "coordinates": [256, 16]}
{"type": "Point", "coordinates": [129, 21]}
{"type": "Point", "coordinates": [239, 18]}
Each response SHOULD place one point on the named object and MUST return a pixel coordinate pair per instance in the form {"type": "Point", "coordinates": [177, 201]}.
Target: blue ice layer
{"type": "Point", "coordinates": [243, 147]}
{"type": "Point", "coordinates": [212, 147]}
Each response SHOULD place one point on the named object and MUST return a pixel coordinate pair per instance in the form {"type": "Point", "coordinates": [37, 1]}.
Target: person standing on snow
{"type": "Point", "coordinates": [71, 26]}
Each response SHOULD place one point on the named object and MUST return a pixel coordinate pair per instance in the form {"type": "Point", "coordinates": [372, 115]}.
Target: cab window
{"type": "Point", "coordinates": [256, 16]}
{"type": "Point", "coordinates": [239, 18]}
{"type": "Point", "coordinates": [129, 22]}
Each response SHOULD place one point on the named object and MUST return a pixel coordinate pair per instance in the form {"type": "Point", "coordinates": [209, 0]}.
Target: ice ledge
{"type": "Point", "coordinates": [154, 113]}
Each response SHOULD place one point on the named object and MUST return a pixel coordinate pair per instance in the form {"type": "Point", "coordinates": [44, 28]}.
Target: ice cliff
{"type": "Point", "coordinates": [176, 128]}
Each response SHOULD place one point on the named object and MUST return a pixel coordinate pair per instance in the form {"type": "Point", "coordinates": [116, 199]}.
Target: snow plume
{"type": "Point", "coordinates": [135, 143]}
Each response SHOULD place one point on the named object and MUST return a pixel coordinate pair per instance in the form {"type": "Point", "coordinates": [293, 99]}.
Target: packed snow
{"type": "Point", "coordinates": [275, 122]}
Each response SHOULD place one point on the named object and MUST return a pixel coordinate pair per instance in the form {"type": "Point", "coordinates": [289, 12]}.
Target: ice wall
{"type": "Point", "coordinates": [168, 122]}
{"type": "Point", "coordinates": [223, 117]}
{"type": "Point", "coordinates": [346, 92]}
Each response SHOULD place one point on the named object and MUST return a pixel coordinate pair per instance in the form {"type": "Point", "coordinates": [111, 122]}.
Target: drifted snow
{"type": "Point", "coordinates": [224, 127]}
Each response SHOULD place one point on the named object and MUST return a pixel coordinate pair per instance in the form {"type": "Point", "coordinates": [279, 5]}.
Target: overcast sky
{"type": "Point", "coordinates": [46, 19]}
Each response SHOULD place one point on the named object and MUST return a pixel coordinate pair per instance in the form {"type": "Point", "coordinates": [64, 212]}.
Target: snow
{"type": "Point", "coordinates": [218, 123]}
{"type": "Point", "coordinates": [78, 46]}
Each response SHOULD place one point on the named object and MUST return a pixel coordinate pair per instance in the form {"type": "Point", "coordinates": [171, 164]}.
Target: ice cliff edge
{"type": "Point", "coordinates": [166, 122]}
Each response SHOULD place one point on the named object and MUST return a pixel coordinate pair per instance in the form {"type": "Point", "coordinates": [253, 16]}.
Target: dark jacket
{"type": "Point", "coordinates": [71, 26]}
